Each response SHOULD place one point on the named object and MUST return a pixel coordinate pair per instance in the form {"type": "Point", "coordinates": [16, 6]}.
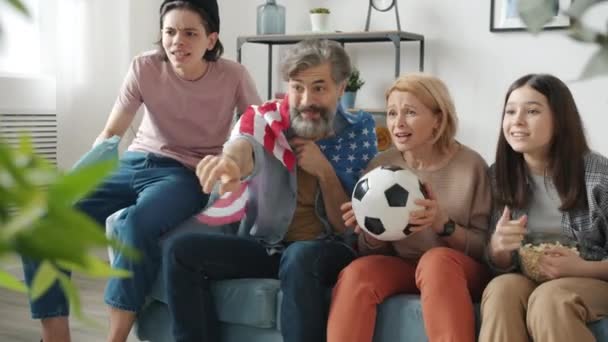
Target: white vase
{"type": "Point", "coordinates": [319, 22]}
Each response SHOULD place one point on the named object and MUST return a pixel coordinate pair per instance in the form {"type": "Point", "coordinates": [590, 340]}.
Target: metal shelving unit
{"type": "Point", "coordinates": [396, 37]}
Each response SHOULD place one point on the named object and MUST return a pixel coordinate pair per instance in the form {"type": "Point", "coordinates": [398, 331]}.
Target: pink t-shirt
{"type": "Point", "coordinates": [184, 120]}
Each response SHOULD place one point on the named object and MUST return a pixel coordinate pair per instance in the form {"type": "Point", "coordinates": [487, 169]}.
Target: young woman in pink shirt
{"type": "Point", "coordinates": [189, 96]}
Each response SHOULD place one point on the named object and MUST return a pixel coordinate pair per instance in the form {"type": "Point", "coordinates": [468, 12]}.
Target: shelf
{"type": "Point", "coordinates": [342, 37]}
{"type": "Point", "coordinates": [396, 37]}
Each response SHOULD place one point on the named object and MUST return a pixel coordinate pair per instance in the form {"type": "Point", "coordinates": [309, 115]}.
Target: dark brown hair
{"type": "Point", "coordinates": [209, 25]}
{"type": "Point", "coordinates": [567, 148]}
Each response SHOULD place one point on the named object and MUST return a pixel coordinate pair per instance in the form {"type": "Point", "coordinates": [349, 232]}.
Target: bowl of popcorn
{"type": "Point", "coordinates": [534, 246]}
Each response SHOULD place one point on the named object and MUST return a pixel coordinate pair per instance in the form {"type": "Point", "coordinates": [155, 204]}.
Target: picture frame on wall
{"type": "Point", "coordinates": [504, 16]}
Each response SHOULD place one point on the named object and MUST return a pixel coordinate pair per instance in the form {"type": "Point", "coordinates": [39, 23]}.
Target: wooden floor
{"type": "Point", "coordinates": [16, 324]}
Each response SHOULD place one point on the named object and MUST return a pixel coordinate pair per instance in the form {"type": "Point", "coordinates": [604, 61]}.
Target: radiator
{"type": "Point", "coordinates": [40, 127]}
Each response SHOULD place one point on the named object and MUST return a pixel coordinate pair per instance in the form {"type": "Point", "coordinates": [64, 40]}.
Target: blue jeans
{"type": "Point", "coordinates": [157, 193]}
{"type": "Point", "coordinates": [306, 269]}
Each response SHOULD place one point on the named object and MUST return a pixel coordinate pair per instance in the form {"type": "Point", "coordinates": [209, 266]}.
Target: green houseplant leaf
{"type": "Point", "coordinates": [75, 185]}
{"type": "Point", "coordinates": [96, 268]}
{"type": "Point", "coordinates": [28, 214]}
{"type": "Point", "coordinates": [579, 7]}
{"type": "Point", "coordinates": [71, 293]}
{"type": "Point", "coordinates": [319, 10]}
{"type": "Point", "coordinates": [18, 5]}
{"type": "Point", "coordinates": [354, 81]}
{"type": "Point", "coordinates": [585, 34]}
{"type": "Point", "coordinates": [536, 13]}
{"type": "Point", "coordinates": [43, 280]}
{"type": "Point", "coordinates": [38, 221]}
{"type": "Point", "coordinates": [597, 65]}
{"type": "Point", "coordinates": [8, 281]}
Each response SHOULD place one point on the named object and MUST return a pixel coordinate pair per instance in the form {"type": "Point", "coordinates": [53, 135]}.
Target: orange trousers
{"type": "Point", "coordinates": [448, 282]}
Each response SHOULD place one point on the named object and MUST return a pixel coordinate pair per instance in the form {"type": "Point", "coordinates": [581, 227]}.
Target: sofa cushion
{"type": "Point", "coordinates": [400, 319]}
{"type": "Point", "coordinates": [258, 296]}
{"type": "Point", "coordinates": [279, 302]}
{"type": "Point", "coordinates": [251, 302]}
{"type": "Point", "coordinates": [152, 326]}
{"type": "Point", "coordinates": [600, 330]}
{"type": "Point", "coordinates": [241, 333]}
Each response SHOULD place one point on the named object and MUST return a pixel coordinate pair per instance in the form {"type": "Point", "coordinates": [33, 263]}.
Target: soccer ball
{"type": "Point", "coordinates": [382, 201]}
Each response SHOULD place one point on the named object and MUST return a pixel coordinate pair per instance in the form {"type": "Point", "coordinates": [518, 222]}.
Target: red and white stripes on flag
{"type": "Point", "coordinates": [266, 124]}
{"type": "Point", "coordinates": [231, 207]}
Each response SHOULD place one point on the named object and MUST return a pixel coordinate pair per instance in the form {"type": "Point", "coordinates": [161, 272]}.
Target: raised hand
{"type": "Point", "coordinates": [509, 233]}
{"type": "Point", "coordinates": [222, 168]}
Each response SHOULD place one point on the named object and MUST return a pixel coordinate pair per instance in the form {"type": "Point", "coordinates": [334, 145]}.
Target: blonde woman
{"type": "Point", "coordinates": [441, 260]}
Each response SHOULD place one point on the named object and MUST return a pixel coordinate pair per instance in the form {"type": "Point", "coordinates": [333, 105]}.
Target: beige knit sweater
{"type": "Point", "coordinates": [463, 191]}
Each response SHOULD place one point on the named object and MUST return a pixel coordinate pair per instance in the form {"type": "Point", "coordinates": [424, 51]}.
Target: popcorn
{"type": "Point", "coordinates": [529, 255]}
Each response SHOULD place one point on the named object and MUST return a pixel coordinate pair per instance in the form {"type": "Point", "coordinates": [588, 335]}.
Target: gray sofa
{"type": "Point", "coordinates": [248, 311]}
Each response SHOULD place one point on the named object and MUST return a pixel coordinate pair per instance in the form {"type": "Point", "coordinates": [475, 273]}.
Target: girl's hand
{"type": "Point", "coordinates": [561, 262]}
{"type": "Point", "coordinates": [509, 233]}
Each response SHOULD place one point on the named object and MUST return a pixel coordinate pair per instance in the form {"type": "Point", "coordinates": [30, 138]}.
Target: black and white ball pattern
{"type": "Point", "coordinates": [383, 199]}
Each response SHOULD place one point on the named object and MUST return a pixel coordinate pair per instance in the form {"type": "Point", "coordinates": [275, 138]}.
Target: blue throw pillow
{"type": "Point", "coordinates": [106, 150]}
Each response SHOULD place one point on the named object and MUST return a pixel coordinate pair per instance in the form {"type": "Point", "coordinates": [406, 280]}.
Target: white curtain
{"type": "Point", "coordinates": [95, 42]}
{"type": "Point", "coordinates": [17, 32]}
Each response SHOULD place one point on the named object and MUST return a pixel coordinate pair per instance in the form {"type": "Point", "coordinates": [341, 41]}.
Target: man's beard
{"type": "Point", "coordinates": [311, 129]}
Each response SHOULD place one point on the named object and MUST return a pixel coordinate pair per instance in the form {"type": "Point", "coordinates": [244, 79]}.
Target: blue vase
{"type": "Point", "coordinates": [348, 99]}
{"type": "Point", "coordinates": [271, 18]}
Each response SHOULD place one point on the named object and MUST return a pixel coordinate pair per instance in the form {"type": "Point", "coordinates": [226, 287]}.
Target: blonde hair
{"type": "Point", "coordinates": [434, 94]}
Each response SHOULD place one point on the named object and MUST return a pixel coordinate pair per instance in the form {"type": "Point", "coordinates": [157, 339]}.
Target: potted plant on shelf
{"type": "Point", "coordinates": [319, 19]}
{"type": "Point", "coordinates": [353, 84]}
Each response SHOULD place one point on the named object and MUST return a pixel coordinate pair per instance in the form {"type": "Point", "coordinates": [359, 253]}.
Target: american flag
{"type": "Point", "coordinates": [348, 153]}
{"type": "Point", "coordinates": [267, 123]}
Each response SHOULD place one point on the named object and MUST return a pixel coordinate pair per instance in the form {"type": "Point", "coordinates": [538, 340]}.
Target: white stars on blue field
{"type": "Point", "coordinates": [351, 149]}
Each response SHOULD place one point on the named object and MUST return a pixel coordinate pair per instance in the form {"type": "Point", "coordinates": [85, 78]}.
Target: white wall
{"type": "Point", "coordinates": [25, 84]}
{"type": "Point", "coordinates": [27, 95]}
{"type": "Point", "coordinates": [477, 65]}
{"type": "Point", "coordinates": [116, 30]}
{"type": "Point", "coordinates": [144, 32]}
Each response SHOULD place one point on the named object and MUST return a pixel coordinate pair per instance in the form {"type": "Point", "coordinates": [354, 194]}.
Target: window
{"type": "Point", "coordinates": [20, 40]}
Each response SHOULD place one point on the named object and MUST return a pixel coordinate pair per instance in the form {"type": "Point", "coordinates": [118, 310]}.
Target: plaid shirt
{"type": "Point", "coordinates": [589, 226]}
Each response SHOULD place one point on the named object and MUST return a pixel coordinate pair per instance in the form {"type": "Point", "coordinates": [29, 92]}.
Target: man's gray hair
{"type": "Point", "coordinates": [313, 52]}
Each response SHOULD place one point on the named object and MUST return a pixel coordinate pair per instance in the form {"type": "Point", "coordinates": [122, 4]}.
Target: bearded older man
{"type": "Point", "coordinates": [299, 159]}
